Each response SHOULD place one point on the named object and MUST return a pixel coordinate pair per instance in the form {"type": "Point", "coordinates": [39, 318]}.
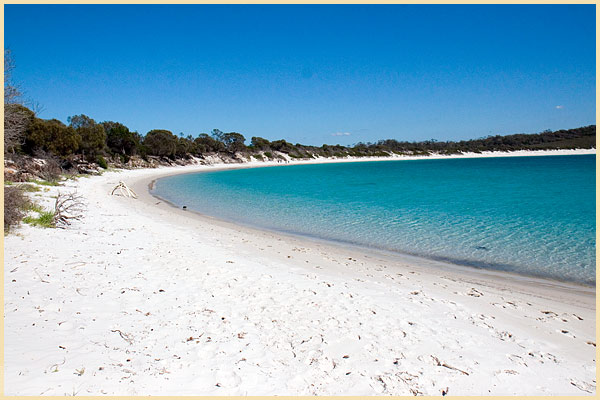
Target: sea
{"type": "Point", "coordinates": [533, 215]}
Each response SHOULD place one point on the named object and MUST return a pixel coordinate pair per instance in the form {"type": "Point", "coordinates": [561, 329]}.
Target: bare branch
{"type": "Point", "coordinates": [12, 92]}
{"type": "Point", "coordinates": [68, 207]}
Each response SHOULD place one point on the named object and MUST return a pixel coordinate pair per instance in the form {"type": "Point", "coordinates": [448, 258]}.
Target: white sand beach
{"type": "Point", "coordinates": [140, 298]}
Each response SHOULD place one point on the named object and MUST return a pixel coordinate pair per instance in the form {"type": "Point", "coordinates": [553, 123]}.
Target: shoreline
{"type": "Point", "coordinates": [146, 186]}
{"type": "Point", "coordinates": [439, 266]}
{"type": "Point", "coordinates": [139, 298]}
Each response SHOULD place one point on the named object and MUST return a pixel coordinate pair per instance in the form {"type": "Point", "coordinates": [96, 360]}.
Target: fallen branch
{"type": "Point", "coordinates": [441, 364]}
{"type": "Point", "coordinates": [124, 190]}
{"type": "Point", "coordinates": [67, 207]}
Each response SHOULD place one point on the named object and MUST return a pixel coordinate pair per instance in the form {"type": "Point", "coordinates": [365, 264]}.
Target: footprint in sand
{"type": "Point", "coordinates": [474, 293]}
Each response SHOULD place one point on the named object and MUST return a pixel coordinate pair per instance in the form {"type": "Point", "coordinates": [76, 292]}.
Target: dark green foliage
{"type": "Point", "coordinates": [207, 144]}
{"type": "Point", "coordinates": [160, 142]}
{"type": "Point", "coordinates": [234, 142]}
{"type": "Point", "coordinates": [102, 162]}
{"type": "Point", "coordinates": [84, 136]}
{"type": "Point", "coordinates": [120, 140]}
{"type": "Point", "coordinates": [282, 146]}
{"type": "Point", "coordinates": [51, 136]}
{"type": "Point", "coordinates": [260, 144]}
{"type": "Point", "coordinates": [93, 137]}
{"type": "Point", "coordinates": [185, 147]}
{"type": "Point", "coordinates": [584, 137]}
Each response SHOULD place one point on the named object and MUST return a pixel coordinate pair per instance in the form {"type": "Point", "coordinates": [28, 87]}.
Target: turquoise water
{"type": "Point", "coordinates": [531, 215]}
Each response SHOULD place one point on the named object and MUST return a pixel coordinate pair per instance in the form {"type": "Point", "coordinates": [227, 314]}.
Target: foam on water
{"type": "Point", "coordinates": [531, 215]}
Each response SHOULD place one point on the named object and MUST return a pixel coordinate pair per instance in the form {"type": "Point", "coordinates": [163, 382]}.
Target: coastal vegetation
{"type": "Point", "coordinates": [19, 207]}
{"type": "Point", "coordinates": [15, 206]}
{"type": "Point", "coordinates": [85, 140]}
{"type": "Point", "coordinates": [44, 219]}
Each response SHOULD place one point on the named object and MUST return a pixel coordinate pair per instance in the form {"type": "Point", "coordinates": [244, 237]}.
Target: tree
{"type": "Point", "coordinates": [185, 146]}
{"type": "Point", "coordinates": [217, 134]}
{"type": "Point", "coordinates": [93, 137]}
{"type": "Point", "coordinates": [160, 142]}
{"type": "Point", "coordinates": [283, 146]}
{"type": "Point", "coordinates": [17, 117]}
{"type": "Point", "coordinates": [52, 136]}
{"type": "Point", "coordinates": [207, 144]}
{"type": "Point", "coordinates": [120, 139]}
{"type": "Point", "coordinates": [260, 144]}
{"type": "Point", "coordinates": [234, 142]}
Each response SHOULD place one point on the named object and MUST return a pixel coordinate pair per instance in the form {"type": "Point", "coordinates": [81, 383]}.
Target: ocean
{"type": "Point", "coordinates": [530, 215]}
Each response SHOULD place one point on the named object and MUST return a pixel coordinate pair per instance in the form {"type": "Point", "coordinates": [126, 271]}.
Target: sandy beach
{"type": "Point", "coordinates": [141, 298]}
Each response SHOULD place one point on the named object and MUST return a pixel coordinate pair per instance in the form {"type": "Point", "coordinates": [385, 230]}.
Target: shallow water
{"type": "Point", "coordinates": [531, 215]}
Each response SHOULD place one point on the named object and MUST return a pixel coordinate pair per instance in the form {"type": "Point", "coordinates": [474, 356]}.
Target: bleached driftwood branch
{"type": "Point", "coordinates": [124, 190]}
{"type": "Point", "coordinates": [68, 207]}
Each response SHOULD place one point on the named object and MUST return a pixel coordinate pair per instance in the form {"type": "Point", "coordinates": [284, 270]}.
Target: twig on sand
{"type": "Point", "coordinates": [126, 336]}
{"type": "Point", "coordinates": [39, 276]}
{"type": "Point", "coordinates": [441, 364]}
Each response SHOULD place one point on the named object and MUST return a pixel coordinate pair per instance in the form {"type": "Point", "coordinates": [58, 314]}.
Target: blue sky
{"type": "Point", "coordinates": [312, 74]}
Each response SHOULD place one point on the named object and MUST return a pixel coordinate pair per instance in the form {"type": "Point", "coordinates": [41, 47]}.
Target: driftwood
{"type": "Point", "coordinates": [124, 190]}
{"type": "Point", "coordinates": [68, 207]}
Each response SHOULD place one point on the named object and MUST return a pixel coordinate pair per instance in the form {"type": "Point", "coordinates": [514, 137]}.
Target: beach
{"type": "Point", "coordinates": [141, 298]}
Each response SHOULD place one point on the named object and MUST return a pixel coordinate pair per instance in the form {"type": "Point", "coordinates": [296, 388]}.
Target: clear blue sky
{"type": "Point", "coordinates": [311, 74]}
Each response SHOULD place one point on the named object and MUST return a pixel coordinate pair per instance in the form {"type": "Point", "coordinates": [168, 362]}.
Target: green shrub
{"type": "Point", "coordinates": [102, 162]}
{"type": "Point", "coordinates": [268, 154]}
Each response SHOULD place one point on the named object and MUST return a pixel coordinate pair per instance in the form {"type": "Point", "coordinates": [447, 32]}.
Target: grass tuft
{"type": "Point", "coordinates": [34, 207]}
{"type": "Point", "coordinates": [45, 219]}
{"type": "Point", "coordinates": [45, 183]}
{"type": "Point", "coordinates": [29, 188]}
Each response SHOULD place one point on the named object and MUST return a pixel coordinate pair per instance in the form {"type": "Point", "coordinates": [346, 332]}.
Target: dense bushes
{"type": "Point", "coordinates": [160, 142]}
{"type": "Point", "coordinates": [120, 140]}
{"type": "Point", "coordinates": [93, 137]}
{"type": "Point", "coordinates": [15, 204]}
{"type": "Point", "coordinates": [102, 162]}
{"type": "Point", "coordinates": [52, 136]}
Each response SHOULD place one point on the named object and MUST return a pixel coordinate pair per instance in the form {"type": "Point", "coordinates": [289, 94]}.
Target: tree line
{"type": "Point", "coordinates": [84, 137]}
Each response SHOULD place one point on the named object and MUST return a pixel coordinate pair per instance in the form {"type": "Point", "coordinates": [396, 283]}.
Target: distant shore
{"type": "Point", "coordinates": [200, 166]}
{"type": "Point", "coordinates": [141, 298]}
